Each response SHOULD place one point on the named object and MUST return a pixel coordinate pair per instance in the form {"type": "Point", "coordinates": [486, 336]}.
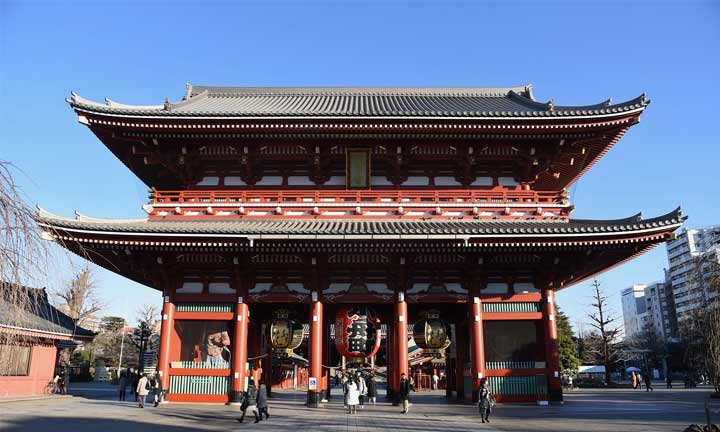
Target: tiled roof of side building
{"type": "Point", "coordinates": [41, 316]}
{"type": "Point", "coordinates": [259, 227]}
{"type": "Point", "coordinates": [390, 102]}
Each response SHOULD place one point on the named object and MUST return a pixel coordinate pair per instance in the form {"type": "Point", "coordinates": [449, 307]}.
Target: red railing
{"type": "Point", "coordinates": [275, 197]}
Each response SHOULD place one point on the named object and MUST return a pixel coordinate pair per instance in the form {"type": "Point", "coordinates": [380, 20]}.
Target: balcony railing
{"type": "Point", "coordinates": [235, 197]}
{"type": "Point", "coordinates": [491, 204]}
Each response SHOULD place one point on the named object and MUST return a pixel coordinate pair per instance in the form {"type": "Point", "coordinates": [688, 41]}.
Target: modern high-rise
{"type": "Point", "coordinates": [692, 256]}
{"type": "Point", "coordinates": [648, 308]}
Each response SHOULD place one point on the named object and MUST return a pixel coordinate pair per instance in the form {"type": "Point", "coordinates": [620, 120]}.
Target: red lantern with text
{"type": "Point", "coordinates": [357, 331]}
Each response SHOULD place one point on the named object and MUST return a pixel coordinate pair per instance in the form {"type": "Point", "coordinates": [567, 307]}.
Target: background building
{"type": "Point", "coordinates": [647, 307]}
{"type": "Point", "coordinates": [690, 254]}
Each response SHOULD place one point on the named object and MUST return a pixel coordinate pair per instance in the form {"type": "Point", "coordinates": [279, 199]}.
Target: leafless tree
{"type": "Point", "coordinates": [144, 335]}
{"type": "Point", "coordinates": [79, 297]}
{"type": "Point", "coordinates": [23, 253]}
{"type": "Point", "coordinates": [605, 345]}
{"type": "Point", "coordinates": [707, 278]}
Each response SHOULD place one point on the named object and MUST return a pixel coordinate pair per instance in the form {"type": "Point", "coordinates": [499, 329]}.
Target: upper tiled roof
{"type": "Point", "coordinates": [322, 227]}
{"type": "Point", "coordinates": [203, 101]}
{"type": "Point", "coordinates": [41, 316]}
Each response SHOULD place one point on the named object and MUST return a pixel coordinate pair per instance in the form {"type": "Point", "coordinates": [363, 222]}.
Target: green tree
{"type": "Point", "coordinates": [567, 347]}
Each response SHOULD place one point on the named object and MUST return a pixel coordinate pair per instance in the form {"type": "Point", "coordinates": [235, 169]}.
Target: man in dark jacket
{"type": "Point", "coordinates": [249, 401]}
{"type": "Point", "coordinates": [404, 393]}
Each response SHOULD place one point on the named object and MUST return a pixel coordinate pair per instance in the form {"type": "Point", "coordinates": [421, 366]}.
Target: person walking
{"type": "Point", "coordinates": [353, 396]}
{"type": "Point", "coordinates": [633, 380]}
{"type": "Point", "coordinates": [648, 382]}
{"type": "Point", "coordinates": [122, 385]}
{"type": "Point", "coordinates": [362, 388]}
{"type": "Point", "coordinates": [435, 380]}
{"type": "Point", "coordinates": [142, 390]}
{"type": "Point", "coordinates": [345, 382]}
{"type": "Point", "coordinates": [485, 402]}
{"type": "Point", "coordinates": [668, 380]}
{"type": "Point", "coordinates": [404, 393]}
{"type": "Point", "coordinates": [249, 401]}
{"type": "Point", "coordinates": [372, 389]}
{"type": "Point", "coordinates": [156, 390]}
{"type": "Point", "coordinates": [262, 403]}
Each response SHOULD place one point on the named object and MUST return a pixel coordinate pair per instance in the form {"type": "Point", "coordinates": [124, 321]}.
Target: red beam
{"type": "Point", "coordinates": [216, 316]}
{"type": "Point", "coordinates": [511, 316]}
{"type": "Point", "coordinates": [199, 372]}
{"type": "Point", "coordinates": [197, 398]}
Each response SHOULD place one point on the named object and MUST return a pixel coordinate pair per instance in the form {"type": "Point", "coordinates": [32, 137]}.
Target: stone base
{"type": "Point", "coordinates": [313, 399]}
{"type": "Point", "coordinates": [236, 397]}
{"type": "Point", "coordinates": [555, 395]}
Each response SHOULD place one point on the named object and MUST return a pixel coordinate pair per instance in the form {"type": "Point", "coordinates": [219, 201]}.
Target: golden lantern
{"type": "Point", "coordinates": [285, 333]}
{"type": "Point", "coordinates": [431, 332]}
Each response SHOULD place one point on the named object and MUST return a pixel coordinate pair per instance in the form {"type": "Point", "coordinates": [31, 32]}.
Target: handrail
{"type": "Point", "coordinates": [278, 197]}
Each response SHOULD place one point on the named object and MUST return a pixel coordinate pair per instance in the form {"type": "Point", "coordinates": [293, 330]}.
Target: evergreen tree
{"type": "Point", "coordinates": [567, 348]}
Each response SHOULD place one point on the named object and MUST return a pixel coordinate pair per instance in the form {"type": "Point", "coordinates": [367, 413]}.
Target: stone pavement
{"type": "Point", "coordinates": [94, 410]}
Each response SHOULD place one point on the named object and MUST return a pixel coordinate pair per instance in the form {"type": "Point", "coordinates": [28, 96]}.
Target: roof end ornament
{"type": "Point", "coordinates": [550, 105]}
{"type": "Point", "coordinates": [188, 91]}
{"type": "Point", "coordinates": [166, 104]}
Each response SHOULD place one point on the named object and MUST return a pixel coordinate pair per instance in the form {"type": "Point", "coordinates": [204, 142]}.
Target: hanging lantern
{"type": "Point", "coordinates": [430, 332]}
{"type": "Point", "coordinates": [285, 333]}
{"type": "Point", "coordinates": [357, 331]}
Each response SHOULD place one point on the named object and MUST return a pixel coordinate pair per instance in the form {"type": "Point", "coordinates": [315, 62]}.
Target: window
{"type": "Point", "coordinates": [358, 168]}
{"type": "Point", "coordinates": [15, 360]}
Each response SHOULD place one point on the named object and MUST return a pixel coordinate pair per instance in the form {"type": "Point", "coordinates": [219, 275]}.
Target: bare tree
{"type": "Point", "coordinates": [23, 254]}
{"type": "Point", "coordinates": [707, 279]}
{"type": "Point", "coordinates": [146, 331]}
{"type": "Point", "coordinates": [79, 297]}
{"type": "Point", "coordinates": [606, 346]}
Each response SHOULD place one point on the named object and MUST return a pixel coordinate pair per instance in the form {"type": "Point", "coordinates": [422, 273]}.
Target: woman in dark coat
{"type": "Point", "coordinates": [262, 403]}
{"type": "Point", "coordinates": [485, 402]}
{"type": "Point", "coordinates": [249, 402]}
{"type": "Point", "coordinates": [404, 393]}
{"type": "Point", "coordinates": [371, 389]}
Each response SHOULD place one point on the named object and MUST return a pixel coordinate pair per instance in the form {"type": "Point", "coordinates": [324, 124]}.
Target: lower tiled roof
{"type": "Point", "coordinates": [318, 227]}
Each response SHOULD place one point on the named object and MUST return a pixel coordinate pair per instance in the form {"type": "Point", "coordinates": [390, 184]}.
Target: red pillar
{"type": "Point", "coordinates": [552, 356]}
{"type": "Point", "coordinates": [477, 352]}
{"type": "Point", "coordinates": [166, 329]}
{"type": "Point", "coordinates": [240, 351]}
{"type": "Point", "coordinates": [401, 340]}
{"type": "Point", "coordinates": [316, 342]}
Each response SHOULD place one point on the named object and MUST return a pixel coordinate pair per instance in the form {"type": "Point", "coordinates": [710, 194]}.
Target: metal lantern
{"type": "Point", "coordinates": [430, 332]}
{"type": "Point", "coordinates": [285, 333]}
{"type": "Point", "coordinates": [357, 331]}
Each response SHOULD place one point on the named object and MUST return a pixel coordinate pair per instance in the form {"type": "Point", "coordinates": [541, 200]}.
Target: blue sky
{"type": "Point", "coordinates": [574, 52]}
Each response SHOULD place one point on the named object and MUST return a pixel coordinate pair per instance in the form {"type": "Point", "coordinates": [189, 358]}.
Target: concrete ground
{"type": "Point", "coordinates": [93, 409]}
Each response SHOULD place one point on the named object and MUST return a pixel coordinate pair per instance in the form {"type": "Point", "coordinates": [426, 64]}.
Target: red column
{"type": "Point", "coordinates": [401, 340]}
{"type": "Point", "coordinates": [552, 356]}
{"type": "Point", "coordinates": [477, 352]}
{"type": "Point", "coordinates": [315, 348]}
{"type": "Point", "coordinates": [166, 329]}
{"type": "Point", "coordinates": [240, 351]}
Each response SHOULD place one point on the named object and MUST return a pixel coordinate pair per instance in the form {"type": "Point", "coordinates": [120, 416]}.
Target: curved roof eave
{"type": "Point", "coordinates": [450, 229]}
{"type": "Point", "coordinates": [526, 107]}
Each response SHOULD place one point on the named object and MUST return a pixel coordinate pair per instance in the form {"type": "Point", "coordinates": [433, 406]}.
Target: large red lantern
{"type": "Point", "coordinates": [431, 332]}
{"type": "Point", "coordinates": [357, 331]}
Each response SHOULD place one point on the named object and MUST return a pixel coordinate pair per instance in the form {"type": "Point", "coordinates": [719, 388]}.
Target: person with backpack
{"type": "Point", "coordinates": [142, 390]}
{"type": "Point", "coordinates": [249, 401]}
{"type": "Point", "coordinates": [485, 402]}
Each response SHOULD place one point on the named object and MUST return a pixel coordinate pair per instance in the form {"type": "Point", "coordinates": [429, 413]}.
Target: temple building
{"type": "Point", "coordinates": [349, 210]}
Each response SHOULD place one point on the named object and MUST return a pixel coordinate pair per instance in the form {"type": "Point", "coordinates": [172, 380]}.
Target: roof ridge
{"type": "Point", "coordinates": [362, 91]}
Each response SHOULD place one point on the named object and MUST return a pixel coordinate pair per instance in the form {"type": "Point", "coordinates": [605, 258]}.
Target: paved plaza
{"type": "Point", "coordinates": [93, 409]}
